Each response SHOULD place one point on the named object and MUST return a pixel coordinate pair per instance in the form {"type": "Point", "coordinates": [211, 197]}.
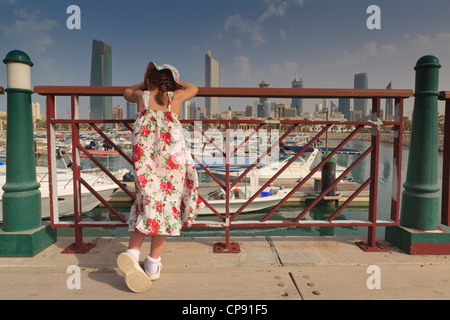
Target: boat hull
{"type": "Point", "coordinates": [258, 204]}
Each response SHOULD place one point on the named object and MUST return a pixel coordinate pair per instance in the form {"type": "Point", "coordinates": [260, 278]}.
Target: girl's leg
{"type": "Point", "coordinates": [157, 245]}
{"type": "Point", "coordinates": [136, 240]}
{"type": "Point", "coordinates": [153, 261]}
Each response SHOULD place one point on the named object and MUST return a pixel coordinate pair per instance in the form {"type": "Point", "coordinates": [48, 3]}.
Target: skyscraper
{"type": "Point", "coordinates": [212, 79]}
{"type": "Point", "coordinates": [389, 114]}
{"type": "Point", "coordinates": [296, 102]}
{"type": "Point", "coordinates": [361, 82]}
{"type": "Point", "coordinates": [344, 108]}
{"type": "Point", "coordinates": [101, 75]}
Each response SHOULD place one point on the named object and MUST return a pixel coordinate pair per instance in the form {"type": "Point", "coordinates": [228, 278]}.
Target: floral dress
{"type": "Point", "coordinates": [166, 179]}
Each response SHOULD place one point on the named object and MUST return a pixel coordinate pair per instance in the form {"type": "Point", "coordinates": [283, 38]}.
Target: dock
{"type": "Point", "coordinates": [267, 268]}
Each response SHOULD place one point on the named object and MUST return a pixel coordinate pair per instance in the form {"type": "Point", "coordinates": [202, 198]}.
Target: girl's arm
{"type": "Point", "coordinates": [134, 94]}
{"type": "Point", "coordinates": [190, 90]}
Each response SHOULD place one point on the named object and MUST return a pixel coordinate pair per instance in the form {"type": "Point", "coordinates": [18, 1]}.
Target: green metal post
{"type": "Point", "coordinates": [22, 233]}
{"type": "Point", "coordinates": [420, 200]}
{"type": "Point", "coordinates": [418, 232]}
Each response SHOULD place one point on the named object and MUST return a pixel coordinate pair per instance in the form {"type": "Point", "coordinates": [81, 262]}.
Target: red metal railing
{"type": "Point", "coordinates": [229, 220]}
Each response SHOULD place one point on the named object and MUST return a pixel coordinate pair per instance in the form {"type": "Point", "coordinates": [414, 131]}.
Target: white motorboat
{"type": "Point", "coordinates": [267, 199]}
{"type": "Point", "coordinates": [295, 172]}
{"type": "Point", "coordinates": [104, 187]}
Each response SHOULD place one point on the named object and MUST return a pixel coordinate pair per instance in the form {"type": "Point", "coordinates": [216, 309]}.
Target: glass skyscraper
{"type": "Point", "coordinates": [295, 101]}
{"type": "Point", "coordinates": [345, 109]}
{"type": "Point", "coordinates": [101, 75]}
{"type": "Point", "coordinates": [212, 79]}
{"type": "Point", "coordinates": [361, 82]}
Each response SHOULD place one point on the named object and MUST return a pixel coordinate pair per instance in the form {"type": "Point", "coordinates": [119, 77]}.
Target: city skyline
{"type": "Point", "coordinates": [253, 40]}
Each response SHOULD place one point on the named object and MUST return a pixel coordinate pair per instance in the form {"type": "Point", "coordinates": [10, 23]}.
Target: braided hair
{"type": "Point", "coordinates": [163, 80]}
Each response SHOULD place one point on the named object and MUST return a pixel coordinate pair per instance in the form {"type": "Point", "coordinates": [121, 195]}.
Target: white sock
{"type": "Point", "coordinates": [152, 265]}
{"type": "Point", "coordinates": [135, 253]}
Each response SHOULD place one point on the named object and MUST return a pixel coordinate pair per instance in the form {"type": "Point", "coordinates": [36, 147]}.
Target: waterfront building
{"type": "Point", "coordinates": [297, 102]}
{"type": "Point", "coordinates": [263, 84]}
{"type": "Point", "coordinates": [325, 105]}
{"type": "Point", "coordinates": [131, 110]}
{"type": "Point", "coordinates": [357, 115]}
{"type": "Point", "coordinates": [191, 110]}
{"type": "Point", "coordinates": [290, 112]}
{"type": "Point", "coordinates": [344, 108]}
{"type": "Point", "coordinates": [36, 110]}
{"type": "Point", "coordinates": [249, 111]}
{"type": "Point", "coordinates": [361, 82]}
{"type": "Point", "coordinates": [212, 79]}
{"type": "Point", "coordinates": [118, 112]}
{"type": "Point", "coordinates": [101, 75]}
{"type": "Point", "coordinates": [318, 108]}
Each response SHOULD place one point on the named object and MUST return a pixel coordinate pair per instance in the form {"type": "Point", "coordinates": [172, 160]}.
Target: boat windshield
{"type": "Point", "coordinates": [287, 157]}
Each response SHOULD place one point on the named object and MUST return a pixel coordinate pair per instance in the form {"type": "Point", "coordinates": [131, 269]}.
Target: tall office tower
{"type": "Point", "coordinates": [361, 82]}
{"type": "Point", "coordinates": [36, 110]}
{"type": "Point", "coordinates": [333, 107]}
{"type": "Point", "coordinates": [131, 110]}
{"type": "Point", "coordinates": [249, 111]}
{"type": "Point", "coordinates": [263, 84]}
{"type": "Point", "coordinates": [344, 108]}
{"type": "Point", "coordinates": [325, 105]}
{"type": "Point", "coordinates": [101, 75]}
{"type": "Point", "coordinates": [212, 79]}
{"type": "Point", "coordinates": [191, 110]}
{"type": "Point", "coordinates": [297, 102]}
{"type": "Point", "coordinates": [389, 105]}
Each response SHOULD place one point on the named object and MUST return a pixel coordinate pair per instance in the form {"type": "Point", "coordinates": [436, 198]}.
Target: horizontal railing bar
{"type": "Point", "coordinates": [242, 223]}
{"type": "Point", "coordinates": [237, 92]}
{"type": "Point", "coordinates": [290, 223]}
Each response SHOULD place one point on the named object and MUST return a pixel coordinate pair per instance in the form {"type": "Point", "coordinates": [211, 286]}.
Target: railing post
{"type": "Point", "coordinates": [227, 246]}
{"type": "Point", "coordinates": [22, 233]}
{"type": "Point", "coordinates": [418, 232]}
{"type": "Point", "coordinates": [78, 246]}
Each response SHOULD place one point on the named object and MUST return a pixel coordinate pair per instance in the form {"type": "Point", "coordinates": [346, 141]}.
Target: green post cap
{"type": "Point", "coordinates": [18, 56]}
{"type": "Point", "coordinates": [427, 62]}
{"type": "Point", "coordinates": [332, 159]}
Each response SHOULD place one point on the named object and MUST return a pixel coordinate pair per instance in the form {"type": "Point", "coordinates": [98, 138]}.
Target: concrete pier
{"type": "Point", "coordinates": [267, 268]}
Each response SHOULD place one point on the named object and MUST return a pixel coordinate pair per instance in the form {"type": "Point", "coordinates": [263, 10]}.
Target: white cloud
{"type": "Point", "coordinates": [369, 52]}
{"type": "Point", "coordinates": [255, 29]}
{"type": "Point", "coordinates": [243, 68]}
{"type": "Point", "coordinates": [30, 31]}
{"type": "Point", "coordinates": [243, 74]}
{"type": "Point", "coordinates": [246, 27]}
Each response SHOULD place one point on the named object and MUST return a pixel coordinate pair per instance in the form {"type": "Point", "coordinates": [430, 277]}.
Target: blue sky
{"type": "Point", "coordinates": [325, 41]}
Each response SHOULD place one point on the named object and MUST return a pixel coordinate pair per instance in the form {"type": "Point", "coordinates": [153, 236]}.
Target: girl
{"type": "Point", "coordinates": [166, 180]}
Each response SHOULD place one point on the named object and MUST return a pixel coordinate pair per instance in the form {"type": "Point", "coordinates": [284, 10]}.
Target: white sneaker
{"type": "Point", "coordinates": [135, 278]}
{"type": "Point", "coordinates": [147, 271]}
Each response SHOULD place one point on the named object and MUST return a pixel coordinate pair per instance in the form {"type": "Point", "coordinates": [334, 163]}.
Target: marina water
{"type": "Point", "coordinates": [289, 211]}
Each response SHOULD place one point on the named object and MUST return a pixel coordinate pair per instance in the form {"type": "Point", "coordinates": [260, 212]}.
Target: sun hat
{"type": "Point", "coordinates": [175, 74]}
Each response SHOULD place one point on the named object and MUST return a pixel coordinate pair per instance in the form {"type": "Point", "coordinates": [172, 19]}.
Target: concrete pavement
{"type": "Point", "coordinates": [267, 268]}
